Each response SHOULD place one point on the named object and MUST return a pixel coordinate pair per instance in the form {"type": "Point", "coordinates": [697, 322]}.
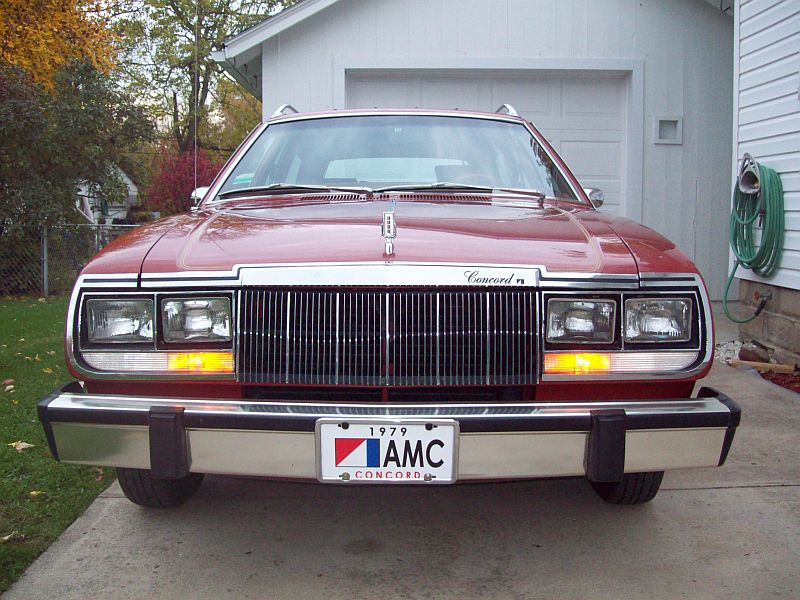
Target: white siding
{"type": "Point", "coordinates": [767, 109]}
{"type": "Point", "coordinates": [685, 47]}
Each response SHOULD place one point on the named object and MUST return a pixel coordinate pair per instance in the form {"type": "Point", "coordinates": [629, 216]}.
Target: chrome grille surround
{"type": "Point", "coordinates": [375, 337]}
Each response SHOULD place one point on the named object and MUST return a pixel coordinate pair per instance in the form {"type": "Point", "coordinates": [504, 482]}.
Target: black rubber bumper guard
{"type": "Point", "coordinates": [605, 459]}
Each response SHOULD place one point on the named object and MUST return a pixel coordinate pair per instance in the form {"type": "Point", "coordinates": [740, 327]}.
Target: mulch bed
{"type": "Point", "coordinates": [790, 382]}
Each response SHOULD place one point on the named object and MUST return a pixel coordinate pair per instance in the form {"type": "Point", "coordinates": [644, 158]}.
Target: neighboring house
{"type": "Point", "coordinates": [635, 94]}
{"type": "Point", "coordinates": [96, 209]}
{"type": "Point", "coordinates": [767, 125]}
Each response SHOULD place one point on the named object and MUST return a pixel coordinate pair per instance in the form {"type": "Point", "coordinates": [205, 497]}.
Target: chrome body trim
{"type": "Point", "coordinates": [110, 403]}
{"type": "Point", "coordinates": [372, 274]}
{"type": "Point", "coordinates": [381, 274]}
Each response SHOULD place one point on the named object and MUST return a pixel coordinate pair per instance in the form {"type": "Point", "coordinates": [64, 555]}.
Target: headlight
{"type": "Point", "coordinates": [117, 321]}
{"type": "Point", "coordinates": [196, 319]}
{"type": "Point", "coordinates": [580, 321]}
{"type": "Point", "coordinates": [658, 320]}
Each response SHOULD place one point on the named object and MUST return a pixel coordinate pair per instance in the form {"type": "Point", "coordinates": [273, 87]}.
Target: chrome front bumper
{"type": "Point", "coordinates": [173, 436]}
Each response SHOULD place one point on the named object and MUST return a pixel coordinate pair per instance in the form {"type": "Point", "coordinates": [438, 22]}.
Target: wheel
{"type": "Point", "coordinates": [635, 488]}
{"type": "Point", "coordinates": [140, 487]}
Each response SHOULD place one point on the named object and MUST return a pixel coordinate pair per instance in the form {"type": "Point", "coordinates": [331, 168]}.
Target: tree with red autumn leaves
{"type": "Point", "coordinates": [173, 181]}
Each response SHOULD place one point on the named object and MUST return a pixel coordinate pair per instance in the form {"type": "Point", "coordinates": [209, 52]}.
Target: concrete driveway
{"type": "Point", "coordinates": [726, 533]}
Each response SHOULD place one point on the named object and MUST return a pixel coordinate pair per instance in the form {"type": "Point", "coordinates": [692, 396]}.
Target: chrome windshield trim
{"type": "Point", "coordinates": [118, 403]}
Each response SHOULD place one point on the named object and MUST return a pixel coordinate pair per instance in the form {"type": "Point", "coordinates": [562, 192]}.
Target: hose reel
{"type": "Point", "coordinates": [757, 196]}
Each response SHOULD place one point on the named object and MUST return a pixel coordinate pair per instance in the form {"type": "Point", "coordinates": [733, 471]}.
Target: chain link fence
{"type": "Point", "coordinates": [45, 260]}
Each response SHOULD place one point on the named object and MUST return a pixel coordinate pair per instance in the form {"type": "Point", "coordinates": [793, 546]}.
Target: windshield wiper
{"type": "Point", "coordinates": [439, 185]}
{"type": "Point", "coordinates": [278, 188]}
{"type": "Point", "coordinates": [449, 185]}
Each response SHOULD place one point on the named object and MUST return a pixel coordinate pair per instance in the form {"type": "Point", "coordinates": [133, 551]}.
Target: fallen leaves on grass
{"type": "Point", "coordinates": [29, 358]}
{"type": "Point", "coordinates": [47, 370]}
{"type": "Point", "coordinates": [19, 445]}
{"type": "Point", "coordinates": [98, 471]}
{"type": "Point", "coordinates": [8, 382]}
{"type": "Point", "coordinates": [9, 388]}
{"type": "Point", "coordinates": [8, 538]}
{"type": "Point", "coordinates": [51, 352]}
{"type": "Point", "coordinates": [36, 493]}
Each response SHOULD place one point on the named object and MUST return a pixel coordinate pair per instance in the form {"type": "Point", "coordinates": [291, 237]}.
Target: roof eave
{"type": "Point", "coordinates": [229, 65]}
{"type": "Point", "coordinates": [274, 25]}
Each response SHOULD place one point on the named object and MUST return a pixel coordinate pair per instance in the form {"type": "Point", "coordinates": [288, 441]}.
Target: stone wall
{"type": "Point", "coordinates": [778, 325]}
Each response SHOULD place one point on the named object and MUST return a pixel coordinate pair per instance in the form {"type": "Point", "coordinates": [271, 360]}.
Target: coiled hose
{"type": "Point", "coordinates": [767, 204]}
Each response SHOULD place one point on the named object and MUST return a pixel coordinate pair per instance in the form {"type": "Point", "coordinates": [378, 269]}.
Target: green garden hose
{"type": "Point", "coordinates": [765, 203]}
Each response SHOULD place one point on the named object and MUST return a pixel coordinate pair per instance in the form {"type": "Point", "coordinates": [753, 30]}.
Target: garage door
{"type": "Point", "coordinates": [582, 115]}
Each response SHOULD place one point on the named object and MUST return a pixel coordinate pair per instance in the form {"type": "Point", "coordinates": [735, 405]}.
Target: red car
{"type": "Point", "coordinates": [390, 297]}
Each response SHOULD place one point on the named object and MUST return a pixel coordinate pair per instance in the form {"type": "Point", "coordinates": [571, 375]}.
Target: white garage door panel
{"type": "Point", "coordinates": [581, 114]}
{"type": "Point", "coordinates": [450, 92]}
{"type": "Point", "coordinates": [598, 163]}
{"type": "Point", "coordinates": [536, 99]}
{"type": "Point", "coordinates": [386, 92]}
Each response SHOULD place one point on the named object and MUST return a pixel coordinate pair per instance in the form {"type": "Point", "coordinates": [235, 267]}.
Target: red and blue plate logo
{"type": "Point", "coordinates": [358, 452]}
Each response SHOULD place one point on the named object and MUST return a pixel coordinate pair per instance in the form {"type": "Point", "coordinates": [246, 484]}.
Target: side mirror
{"type": "Point", "coordinates": [197, 195]}
{"type": "Point", "coordinates": [596, 196]}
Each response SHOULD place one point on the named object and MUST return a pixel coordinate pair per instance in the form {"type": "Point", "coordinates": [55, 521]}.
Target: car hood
{"type": "Point", "coordinates": [443, 229]}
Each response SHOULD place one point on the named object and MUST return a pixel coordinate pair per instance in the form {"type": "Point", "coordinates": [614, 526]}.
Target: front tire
{"type": "Point", "coordinates": [635, 488]}
{"type": "Point", "coordinates": [140, 487]}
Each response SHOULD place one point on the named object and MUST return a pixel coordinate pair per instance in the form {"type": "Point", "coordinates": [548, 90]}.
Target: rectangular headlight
{"type": "Point", "coordinates": [578, 321]}
{"type": "Point", "coordinates": [196, 319]}
{"type": "Point", "coordinates": [119, 321]}
{"type": "Point", "coordinates": [658, 320]}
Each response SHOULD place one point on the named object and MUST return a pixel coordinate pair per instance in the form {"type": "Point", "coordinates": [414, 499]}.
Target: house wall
{"type": "Point", "coordinates": [683, 46]}
{"type": "Point", "coordinates": [767, 125]}
{"type": "Point", "coordinates": [767, 103]}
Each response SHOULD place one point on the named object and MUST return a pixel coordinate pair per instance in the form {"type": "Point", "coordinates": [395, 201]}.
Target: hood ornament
{"type": "Point", "coordinates": [389, 232]}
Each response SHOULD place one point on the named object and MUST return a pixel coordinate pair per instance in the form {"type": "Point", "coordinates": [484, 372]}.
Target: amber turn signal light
{"type": "Point", "coordinates": [577, 363]}
{"type": "Point", "coordinates": [201, 362]}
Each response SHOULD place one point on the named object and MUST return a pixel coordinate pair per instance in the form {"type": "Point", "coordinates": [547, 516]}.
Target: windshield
{"type": "Point", "coordinates": [383, 151]}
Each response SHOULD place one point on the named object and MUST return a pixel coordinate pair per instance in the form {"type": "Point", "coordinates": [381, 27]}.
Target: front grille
{"type": "Point", "coordinates": [386, 338]}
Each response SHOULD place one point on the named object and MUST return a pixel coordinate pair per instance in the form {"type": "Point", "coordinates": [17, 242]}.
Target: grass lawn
{"type": "Point", "coordinates": [39, 497]}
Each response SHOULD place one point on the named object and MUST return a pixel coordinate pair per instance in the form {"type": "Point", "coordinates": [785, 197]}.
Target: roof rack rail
{"type": "Point", "coordinates": [507, 109]}
{"type": "Point", "coordinates": [283, 109]}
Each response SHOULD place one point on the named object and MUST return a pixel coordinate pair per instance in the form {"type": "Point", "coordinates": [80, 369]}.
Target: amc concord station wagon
{"type": "Point", "coordinates": [390, 297]}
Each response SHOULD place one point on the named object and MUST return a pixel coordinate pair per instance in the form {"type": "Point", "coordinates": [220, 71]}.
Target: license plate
{"type": "Point", "coordinates": [387, 450]}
